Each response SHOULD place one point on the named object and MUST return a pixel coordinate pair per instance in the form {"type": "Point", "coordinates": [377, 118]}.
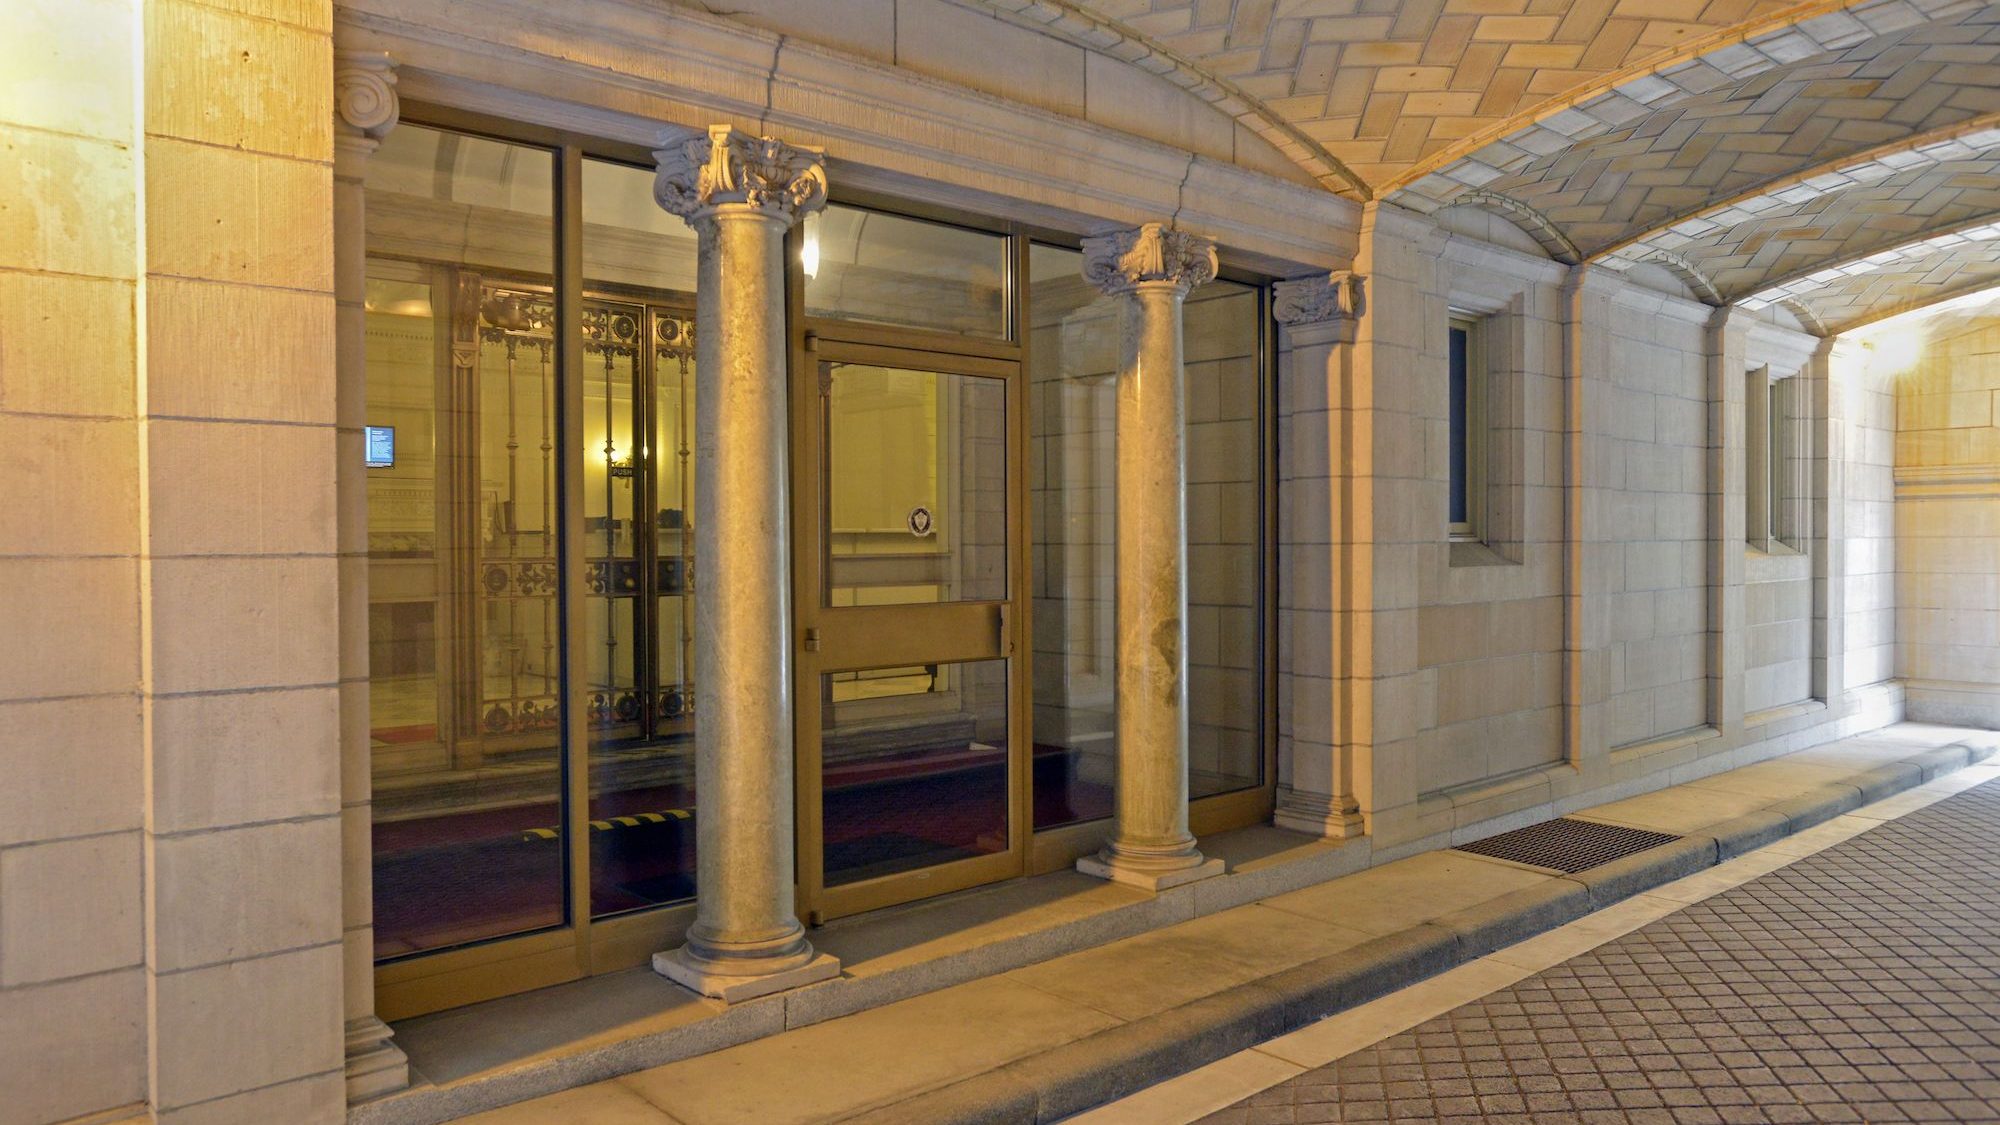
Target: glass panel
{"type": "Point", "coordinates": [916, 486]}
{"type": "Point", "coordinates": [464, 701]}
{"type": "Point", "coordinates": [1072, 467]}
{"type": "Point", "coordinates": [638, 492]}
{"type": "Point", "coordinates": [1222, 338]}
{"type": "Point", "coordinates": [1460, 426]}
{"type": "Point", "coordinates": [914, 767]}
{"type": "Point", "coordinates": [880, 268]}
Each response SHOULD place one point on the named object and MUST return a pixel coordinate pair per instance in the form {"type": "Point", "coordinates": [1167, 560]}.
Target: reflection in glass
{"type": "Point", "coordinates": [1072, 485]}
{"type": "Point", "coordinates": [878, 268]}
{"type": "Point", "coordinates": [638, 500]}
{"type": "Point", "coordinates": [1221, 340]}
{"type": "Point", "coordinates": [1072, 482]}
{"type": "Point", "coordinates": [916, 486]}
{"type": "Point", "coordinates": [914, 767]}
{"type": "Point", "coordinates": [465, 712]}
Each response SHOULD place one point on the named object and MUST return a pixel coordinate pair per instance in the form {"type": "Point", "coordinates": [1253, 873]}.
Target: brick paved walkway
{"type": "Point", "coordinates": [1861, 984]}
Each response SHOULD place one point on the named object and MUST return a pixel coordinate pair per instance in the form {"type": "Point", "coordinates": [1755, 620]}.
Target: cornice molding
{"type": "Point", "coordinates": [622, 69]}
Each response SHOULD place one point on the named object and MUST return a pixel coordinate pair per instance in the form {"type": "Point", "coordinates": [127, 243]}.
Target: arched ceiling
{"type": "Point", "coordinates": [1793, 152]}
{"type": "Point", "coordinates": [1936, 268]}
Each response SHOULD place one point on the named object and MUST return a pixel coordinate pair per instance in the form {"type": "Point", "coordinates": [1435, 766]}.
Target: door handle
{"type": "Point", "coordinates": [812, 640]}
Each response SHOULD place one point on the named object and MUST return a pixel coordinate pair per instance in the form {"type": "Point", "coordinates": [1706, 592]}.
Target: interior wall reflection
{"type": "Point", "coordinates": [876, 267]}
{"type": "Point", "coordinates": [1072, 464]}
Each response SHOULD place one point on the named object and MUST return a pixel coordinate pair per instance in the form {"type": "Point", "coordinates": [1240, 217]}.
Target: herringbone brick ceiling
{"type": "Point", "coordinates": [1745, 144]}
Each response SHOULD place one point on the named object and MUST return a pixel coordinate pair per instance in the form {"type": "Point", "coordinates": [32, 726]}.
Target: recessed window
{"type": "Point", "coordinates": [1467, 394]}
{"type": "Point", "coordinates": [1777, 461]}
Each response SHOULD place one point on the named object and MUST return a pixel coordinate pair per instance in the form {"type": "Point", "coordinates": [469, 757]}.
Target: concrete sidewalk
{"type": "Point", "coordinates": [1053, 1038]}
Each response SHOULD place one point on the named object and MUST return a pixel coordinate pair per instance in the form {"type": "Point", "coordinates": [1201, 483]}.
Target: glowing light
{"type": "Point", "coordinates": [1897, 348]}
{"type": "Point", "coordinates": [809, 253]}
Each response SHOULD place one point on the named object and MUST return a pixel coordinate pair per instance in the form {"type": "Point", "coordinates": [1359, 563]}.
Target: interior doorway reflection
{"type": "Point", "coordinates": [638, 499]}
{"type": "Point", "coordinates": [530, 532]}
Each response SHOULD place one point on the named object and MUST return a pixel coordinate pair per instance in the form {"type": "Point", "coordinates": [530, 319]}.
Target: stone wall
{"type": "Point", "coordinates": [169, 841]}
{"type": "Point", "coordinates": [72, 932]}
{"type": "Point", "coordinates": [1865, 459]}
{"type": "Point", "coordinates": [1648, 482]}
{"type": "Point", "coordinates": [1948, 525]}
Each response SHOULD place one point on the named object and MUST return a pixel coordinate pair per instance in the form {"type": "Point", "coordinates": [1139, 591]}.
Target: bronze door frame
{"type": "Point", "coordinates": [829, 639]}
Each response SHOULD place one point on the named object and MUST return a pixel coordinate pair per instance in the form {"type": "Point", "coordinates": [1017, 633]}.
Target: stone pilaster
{"type": "Point", "coordinates": [1316, 317]}
{"type": "Point", "coordinates": [365, 109]}
{"type": "Point", "coordinates": [741, 193]}
{"type": "Point", "coordinates": [1729, 423]}
{"type": "Point", "coordinates": [1150, 269]}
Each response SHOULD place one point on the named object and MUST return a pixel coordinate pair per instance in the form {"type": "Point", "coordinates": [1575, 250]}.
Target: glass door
{"type": "Point", "coordinates": [912, 778]}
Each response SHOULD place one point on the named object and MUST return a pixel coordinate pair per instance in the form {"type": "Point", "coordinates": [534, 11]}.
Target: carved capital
{"type": "Point", "coordinates": [729, 167]}
{"type": "Point", "coordinates": [364, 96]}
{"type": "Point", "coordinates": [1151, 252]}
{"type": "Point", "coordinates": [1317, 299]}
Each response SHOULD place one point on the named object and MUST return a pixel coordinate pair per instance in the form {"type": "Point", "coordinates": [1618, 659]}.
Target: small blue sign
{"type": "Point", "coordinates": [381, 452]}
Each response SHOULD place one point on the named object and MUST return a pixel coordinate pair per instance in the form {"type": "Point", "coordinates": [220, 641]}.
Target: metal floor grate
{"type": "Point", "coordinates": [1566, 845]}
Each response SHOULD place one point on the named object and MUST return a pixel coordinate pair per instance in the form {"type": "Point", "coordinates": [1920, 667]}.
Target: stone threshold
{"type": "Point", "coordinates": [503, 1051]}
{"type": "Point", "coordinates": [1137, 987]}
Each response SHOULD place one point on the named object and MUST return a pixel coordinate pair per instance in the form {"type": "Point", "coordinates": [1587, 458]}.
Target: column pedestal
{"type": "Point", "coordinates": [741, 193]}
{"type": "Point", "coordinates": [1151, 268]}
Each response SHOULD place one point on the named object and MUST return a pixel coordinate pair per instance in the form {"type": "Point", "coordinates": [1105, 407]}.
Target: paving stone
{"type": "Point", "coordinates": [1859, 984]}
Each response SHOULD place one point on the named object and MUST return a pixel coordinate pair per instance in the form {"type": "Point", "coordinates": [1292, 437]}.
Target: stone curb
{"type": "Point", "coordinates": [1122, 1060]}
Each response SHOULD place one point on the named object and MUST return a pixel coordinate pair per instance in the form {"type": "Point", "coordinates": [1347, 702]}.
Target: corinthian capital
{"type": "Point", "coordinates": [364, 96]}
{"type": "Point", "coordinates": [729, 167]}
{"type": "Point", "coordinates": [1151, 252]}
{"type": "Point", "coordinates": [1317, 299]}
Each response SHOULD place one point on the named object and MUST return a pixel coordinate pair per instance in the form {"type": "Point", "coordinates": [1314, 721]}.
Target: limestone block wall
{"type": "Point", "coordinates": [1646, 507]}
{"type": "Point", "coordinates": [1865, 461]}
{"type": "Point", "coordinates": [1948, 525]}
{"type": "Point", "coordinates": [1778, 621]}
{"type": "Point", "coordinates": [1465, 672]}
{"type": "Point", "coordinates": [169, 832]}
{"type": "Point", "coordinates": [73, 1013]}
{"type": "Point", "coordinates": [1612, 626]}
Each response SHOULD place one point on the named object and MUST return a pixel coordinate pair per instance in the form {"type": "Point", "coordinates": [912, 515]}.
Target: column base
{"type": "Point", "coordinates": [1317, 815]}
{"type": "Point", "coordinates": [1109, 867]}
{"type": "Point", "coordinates": [732, 989]}
{"type": "Point", "coordinates": [375, 1066]}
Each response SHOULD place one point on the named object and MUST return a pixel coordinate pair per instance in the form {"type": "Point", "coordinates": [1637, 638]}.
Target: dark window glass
{"type": "Point", "coordinates": [1460, 427]}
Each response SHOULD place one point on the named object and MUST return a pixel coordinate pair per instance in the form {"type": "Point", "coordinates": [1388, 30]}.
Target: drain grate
{"type": "Point", "coordinates": [1566, 845]}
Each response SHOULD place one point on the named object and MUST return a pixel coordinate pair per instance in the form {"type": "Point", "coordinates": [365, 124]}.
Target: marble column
{"type": "Point", "coordinates": [741, 193]}
{"type": "Point", "coordinates": [1150, 269]}
{"type": "Point", "coordinates": [1317, 316]}
{"type": "Point", "coordinates": [365, 109]}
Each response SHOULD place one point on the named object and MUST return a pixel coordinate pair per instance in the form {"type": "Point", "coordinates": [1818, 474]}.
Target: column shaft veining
{"type": "Point", "coordinates": [1151, 268]}
{"type": "Point", "coordinates": [741, 194]}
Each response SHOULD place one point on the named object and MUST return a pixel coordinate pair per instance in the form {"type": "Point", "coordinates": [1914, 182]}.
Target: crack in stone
{"type": "Point", "coordinates": [771, 84]}
{"type": "Point", "coordinates": [1180, 193]}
